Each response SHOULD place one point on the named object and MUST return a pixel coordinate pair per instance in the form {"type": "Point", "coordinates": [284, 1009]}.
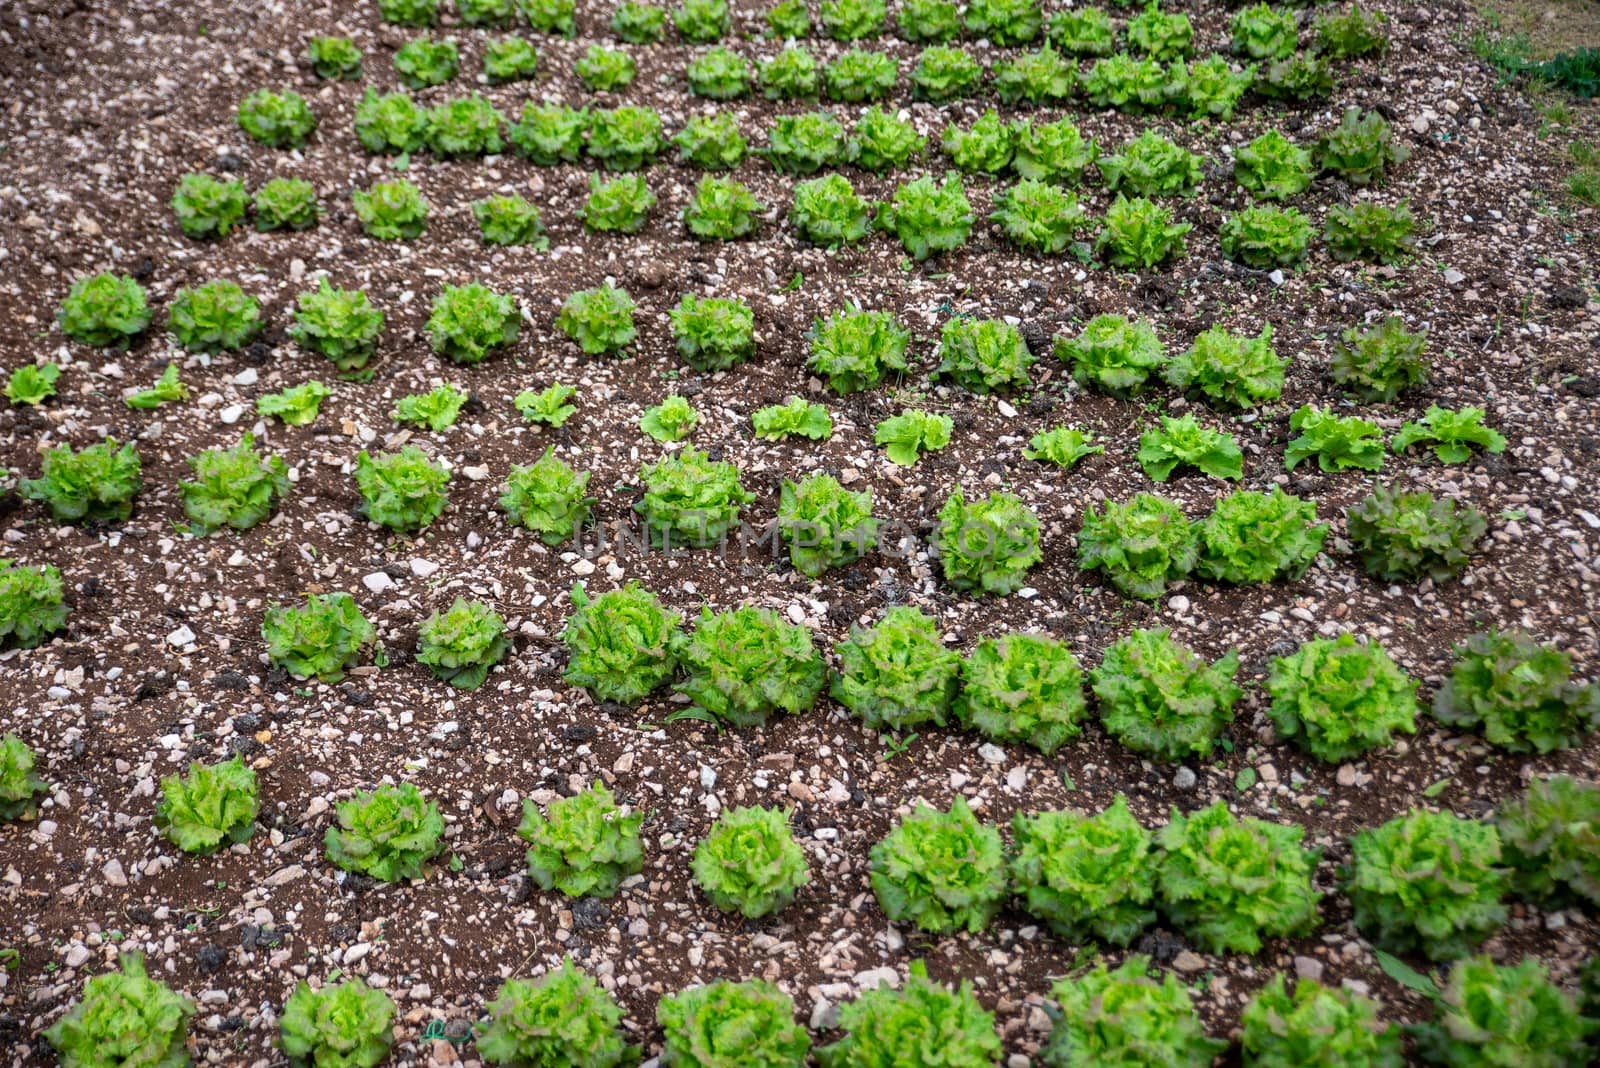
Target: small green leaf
{"type": "Point", "coordinates": [1435, 789]}
{"type": "Point", "coordinates": [1405, 974]}
{"type": "Point", "coordinates": [1246, 778]}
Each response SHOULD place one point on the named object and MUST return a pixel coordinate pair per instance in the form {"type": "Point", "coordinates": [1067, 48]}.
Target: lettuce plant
{"type": "Point", "coordinates": [825, 525]}
{"type": "Point", "coordinates": [1300, 77]}
{"type": "Point", "coordinates": [1409, 536]}
{"type": "Point", "coordinates": [547, 497]}
{"type": "Point", "coordinates": [599, 320]}
{"type": "Point", "coordinates": [210, 807]}
{"type": "Point", "coordinates": [297, 405]}
{"type": "Point", "coordinates": [749, 862]}
{"type": "Point", "coordinates": [388, 833]}
{"type": "Point", "coordinates": [989, 545]}
{"type": "Point", "coordinates": [928, 21]}
{"type": "Point", "coordinates": [1161, 698]}
{"type": "Point", "coordinates": [805, 144]}
{"type": "Point", "coordinates": [928, 217]}
{"type": "Point", "coordinates": [509, 220]}
{"type": "Point", "coordinates": [335, 58]}
{"type": "Point", "coordinates": [905, 437]}
{"type": "Point", "coordinates": [1273, 166]}
{"type": "Point", "coordinates": [898, 674]}
{"type": "Point", "coordinates": [583, 845]}
{"type": "Point", "coordinates": [853, 20]}
{"type": "Point", "coordinates": [1264, 32]}
{"type": "Point", "coordinates": [624, 139]}
{"type": "Point", "coordinates": [1051, 151]}
{"type": "Point", "coordinates": [883, 141]}
{"type": "Point", "coordinates": [208, 207]}
{"type": "Point", "coordinates": [1064, 446]}
{"type": "Point", "coordinates": [409, 12]}
{"type": "Point", "coordinates": [1490, 1014]}
{"type": "Point", "coordinates": [1265, 237]}
{"type": "Point", "coordinates": [1151, 165]}
{"type": "Point", "coordinates": [859, 75]}
{"type": "Point", "coordinates": [423, 63]}
{"type": "Point", "coordinates": [603, 70]}
{"type": "Point", "coordinates": [746, 665]}
{"type": "Point", "coordinates": [1230, 369]}
{"type": "Point", "coordinates": [702, 21]}
{"type": "Point", "coordinates": [31, 605]}
{"type": "Point", "coordinates": [1004, 22]}
{"type": "Point", "coordinates": [318, 640]}
{"type": "Point", "coordinates": [462, 644]}
{"type": "Point", "coordinates": [940, 871]}
{"type": "Point", "coordinates": [124, 1018]}
{"type": "Point", "coordinates": [671, 420]}
{"type": "Point", "coordinates": [1378, 364]}
{"type": "Point", "coordinates": [548, 133]}
{"type": "Point", "coordinates": [468, 322]}
{"type": "Point", "coordinates": [1141, 544]}
{"type": "Point", "coordinates": [390, 123]}
{"type": "Point", "coordinates": [1041, 77]}
{"type": "Point", "coordinates": [796, 418]}
{"type": "Point", "coordinates": [1314, 1026]}
{"type": "Point", "coordinates": [1360, 148]}
{"type": "Point", "coordinates": [1180, 441]}
{"type": "Point", "coordinates": [466, 126]}
{"type": "Point", "coordinates": [403, 491]}
{"type": "Point", "coordinates": [1140, 234]}
{"type": "Point", "coordinates": [1022, 688]}
{"type": "Point", "coordinates": [1082, 31]}
{"type": "Point", "coordinates": [792, 74]}
{"type": "Point", "coordinates": [1351, 33]}
{"type": "Point", "coordinates": [277, 120]}
{"type": "Point", "coordinates": [827, 211]}
{"type": "Point", "coordinates": [945, 73]}
{"type": "Point", "coordinates": [1040, 218]}
{"type": "Point", "coordinates": [1228, 883]}
{"type": "Point", "coordinates": [1114, 354]}
{"type": "Point", "coordinates": [1337, 698]}
{"type": "Point", "coordinates": [1128, 84]}
{"type": "Point", "coordinates": [721, 209]}
{"type": "Point", "coordinates": [214, 317]}
{"type": "Point", "coordinates": [1427, 882]}
{"type": "Point", "coordinates": [104, 310]}
{"type": "Point", "coordinates": [719, 74]}
{"type": "Point", "coordinates": [638, 23]}
{"type": "Point", "coordinates": [853, 350]}
{"type": "Point", "coordinates": [1518, 694]}
{"type": "Point", "coordinates": [348, 1025]}
{"type": "Point", "coordinates": [1212, 89]}
{"type": "Point", "coordinates": [168, 388]}
{"type": "Point", "coordinates": [1161, 35]}
{"type": "Point", "coordinates": [618, 205]}
{"type": "Point", "coordinates": [1369, 231]}
{"type": "Point", "coordinates": [391, 211]}
{"type": "Point", "coordinates": [550, 16]}
{"type": "Point", "coordinates": [19, 785]}
{"type": "Point", "coordinates": [32, 383]}
{"type": "Point", "coordinates": [437, 410]}
{"type": "Point", "coordinates": [1259, 537]}
{"type": "Point", "coordinates": [725, 1024]}
{"type": "Point", "coordinates": [1338, 442]}
{"type": "Point", "coordinates": [711, 333]}
{"type": "Point", "coordinates": [1551, 837]}
{"type": "Point", "coordinates": [562, 1018]}
{"type": "Point", "coordinates": [509, 59]}
{"type": "Point", "coordinates": [983, 355]}
{"type": "Point", "coordinates": [1086, 876]}
{"type": "Point", "coordinates": [690, 499]}
{"type": "Point", "coordinates": [622, 644]}
{"type": "Point", "coordinates": [922, 1022]}
{"type": "Point", "coordinates": [95, 484]}
{"type": "Point", "coordinates": [548, 406]}
{"type": "Point", "coordinates": [1124, 1017]}
{"type": "Point", "coordinates": [711, 142]}
{"type": "Point", "coordinates": [982, 148]}
{"type": "Point", "coordinates": [235, 487]}
{"type": "Point", "coordinates": [1451, 434]}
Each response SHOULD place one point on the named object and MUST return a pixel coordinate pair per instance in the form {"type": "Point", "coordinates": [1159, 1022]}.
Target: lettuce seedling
{"type": "Point", "coordinates": [940, 871]}
{"type": "Point", "coordinates": [905, 437]}
{"type": "Point", "coordinates": [1038, 78]}
{"type": "Point", "coordinates": [1004, 22]}
{"type": "Point", "coordinates": [1360, 148]}
{"type": "Point", "coordinates": [208, 207]}
{"type": "Point", "coordinates": [422, 63]}
{"type": "Point", "coordinates": [731, 1025]}
{"type": "Point", "coordinates": [1301, 77]}
{"type": "Point", "coordinates": [1040, 218]}
{"type": "Point", "coordinates": [168, 388]}
{"type": "Point", "coordinates": [985, 147]}
{"type": "Point", "coordinates": [827, 211]}
{"type": "Point", "coordinates": [702, 21]}
{"type": "Point", "coordinates": [409, 12]}
{"type": "Point", "coordinates": [713, 334]}
{"type": "Point", "coordinates": [983, 355]}
{"type": "Point", "coordinates": [549, 406]}
{"type": "Point", "coordinates": [387, 834]}
{"type": "Point", "coordinates": [562, 1018]}
{"type": "Point", "coordinates": [860, 75]}
{"type": "Point", "coordinates": [944, 73]}
{"type": "Point", "coordinates": [987, 546]}
{"type": "Point", "coordinates": [883, 141]}
{"type": "Point", "coordinates": [95, 484]}
{"type": "Point", "coordinates": [547, 134]}
{"type": "Point", "coordinates": [1180, 442]}
{"type": "Point", "coordinates": [1378, 364]}
{"type": "Point", "coordinates": [721, 209]}
{"type": "Point", "coordinates": [1259, 537]}
{"type": "Point", "coordinates": [719, 74]}
{"type": "Point", "coordinates": [599, 320]}
{"type": "Point", "coordinates": [348, 1025]}
{"type": "Point", "coordinates": [605, 70]}
{"type": "Point", "coordinates": [1139, 234]}
{"type": "Point", "coordinates": [796, 418]}
{"type": "Point", "coordinates": [583, 845]}
{"type": "Point", "coordinates": [1212, 89]}
{"type": "Point", "coordinates": [624, 139]}
{"type": "Point", "coordinates": [1339, 443]}
{"type": "Point", "coordinates": [1451, 434]}
{"type": "Point", "coordinates": [638, 23]}
{"type": "Point", "coordinates": [792, 74]}
{"type": "Point", "coordinates": [1273, 166]}
{"type": "Point", "coordinates": [922, 1020]}
{"type": "Point", "coordinates": [1409, 536]}
{"type": "Point", "coordinates": [214, 317]}
{"type": "Point", "coordinates": [1337, 698]}
{"type": "Point", "coordinates": [1086, 877]}
{"type": "Point", "coordinates": [32, 383]}
{"type": "Point", "coordinates": [297, 405]}
{"type": "Point", "coordinates": [235, 487]}
{"type": "Point", "coordinates": [1125, 1017]}
{"type": "Point", "coordinates": [1050, 152]}
{"type": "Point", "coordinates": [1490, 1014]}
{"type": "Point", "coordinates": [749, 862]}
{"type": "Point", "coordinates": [1351, 33]}
{"type": "Point", "coordinates": [1161, 698]}
{"type": "Point", "coordinates": [486, 12]}
{"type": "Point", "coordinates": [19, 785]}
{"type": "Point", "coordinates": [805, 144]}
{"type": "Point", "coordinates": [436, 410]}
{"type": "Point", "coordinates": [403, 491]}
{"type": "Point", "coordinates": [209, 808]}
{"type": "Point", "coordinates": [335, 58]}
{"type": "Point", "coordinates": [1141, 545]}
{"type": "Point", "coordinates": [1064, 447]}
{"type": "Point", "coordinates": [124, 1018]}
{"type": "Point", "coordinates": [671, 420]}
{"type": "Point", "coordinates": [1120, 81]}
{"type": "Point", "coordinates": [928, 217]}
{"type": "Point", "coordinates": [853, 350]}
{"type": "Point", "coordinates": [31, 605]}
{"type": "Point", "coordinates": [466, 126]}
{"type": "Point", "coordinates": [1266, 237]}
{"type": "Point", "coordinates": [1082, 31]}
{"type": "Point", "coordinates": [547, 497]}
{"type": "Point", "coordinates": [277, 120]}
{"type": "Point", "coordinates": [1024, 688]}
{"type": "Point", "coordinates": [104, 310]}
{"type": "Point", "coordinates": [1551, 836]}
{"type": "Point", "coordinates": [825, 525]}
{"type": "Point", "coordinates": [391, 211]}
{"type": "Point", "coordinates": [853, 20]}
{"type": "Point", "coordinates": [1315, 1026]}
{"type": "Point", "coordinates": [1518, 694]}
{"type": "Point", "coordinates": [318, 640]}
{"type": "Point", "coordinates": [690, 499]}
{"type": "Point", "coordinates": [746, 665]}
{"type": "Point", "coordinates": [1150, 166]}
{"type": "Point", "coordinates": [1114, 354]}
{"type": "Point", "coordinates": [469, 322]}
{"type": "Point", "coordinates": [1228, 883]}
{"type": "Point", "coordinates": [928, 21]}
{"type": "Point", "coordinates": [390, 123]}
{"type": "Point", "coordinates": [897, 675]}
{"type": "Point", "coordinates": [462, 644]}
{"type": "Point", "coordinates": [622, 644]}
{"type": "Point", "coordinates": [1364, 230]}
{"type": "Point", "coordinates": [509, 220]}
{"type": "Point", "coordinates": [550, 16]}
{"type": "Point", "coordinates": [1264, 32]}
{"type": "Point", "coordinates": [1229, 369]}
{"type": "Point", "coordinates": [711, 142]}
{"type": "Point", "coordinates": [618, 205]}
{"type": "Point", "coordinates": [1427, 882]}
{"type": "Point", "coordinates": [509, 59]}
{"type": "Point", "coordinates": [1161, 35]}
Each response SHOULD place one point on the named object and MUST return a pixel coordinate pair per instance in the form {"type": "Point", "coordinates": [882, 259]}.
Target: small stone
{"type": "Point", "coordinates": [991, 753]}
{"type": "Point", "coordinates": [378, 581]}
{"type": "Point", "coordinates": [1308, 968]}
{"type": "Point", "coordinates": [231, 414]}
{"type": "Point", "coordinates": [78, 956]}
{"type": "Point", "coordinates": [181, 637]}
{"type": "Point", "coordinates": [1185, 779]}
{"type": "Point", "coordinates": [357, 953]}
{"type": "Point", "coordinates": [114, 873]}
{"type": "Point", "coordinates": [1179, 604]}
{"type": "Point", "coordinates": [708, 776]}
{"type": "Point", "coordinates": [624, 764]}
{"type": "Point", "coordinates": [1347, 775]}
{"type": "Point", "coordinates": [583, 567]}
{"type": "Point", "coordinates": [1453, 277]}
{"type": "Point", "coordinates": [1189, 961]}
{"type": "Point", "coordinates": [287, 875]}
{"type": "Point", "coordinates": [423, 568]}
{"type": "Point", "coordinates": [247, 377]}
{"type": "Point", "coordinates": [873, 978]}
{"type": "Point", "coordinates": [796, 614]}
